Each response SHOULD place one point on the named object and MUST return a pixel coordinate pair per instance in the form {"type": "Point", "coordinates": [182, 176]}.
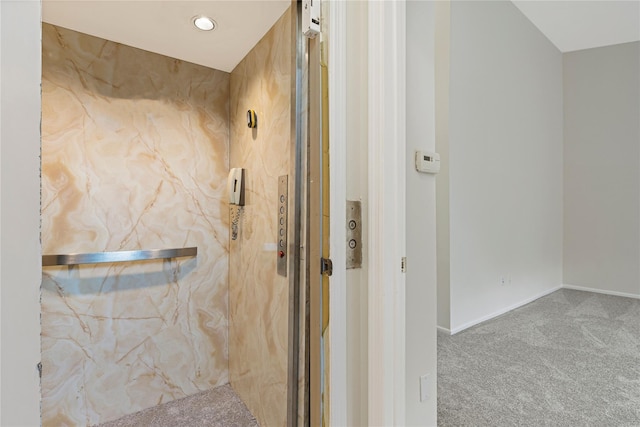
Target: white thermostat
{"type": "Point", "coordinates": [427, 162]}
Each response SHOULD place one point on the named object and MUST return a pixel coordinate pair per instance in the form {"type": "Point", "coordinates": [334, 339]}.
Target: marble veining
{"type": "Point", "coordinates": [135, 154]}
{"type": "Point", "coordinates": [258, 297]}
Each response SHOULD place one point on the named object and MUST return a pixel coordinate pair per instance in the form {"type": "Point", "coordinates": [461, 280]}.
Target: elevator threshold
{"type": "Point", "coordinates": [218, 407]}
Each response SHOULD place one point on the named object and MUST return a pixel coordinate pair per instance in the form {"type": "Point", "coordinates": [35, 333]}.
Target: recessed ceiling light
{"type": "Point", "coordinates": [204, 23]}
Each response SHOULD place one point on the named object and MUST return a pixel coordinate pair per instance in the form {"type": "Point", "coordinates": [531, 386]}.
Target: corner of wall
{"type": "Point", "coordinates": [601, 231]}
{"type": "Point", "coordinates": [442, 72]}
{"type": "Point", "coordinates": [20, 215]}
{"type": "Point", "coordinates": [505, 211]}
{"type": "Point", "coordinates": [421, 247]}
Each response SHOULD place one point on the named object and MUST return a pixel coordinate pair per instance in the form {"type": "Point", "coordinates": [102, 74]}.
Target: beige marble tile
{"type": "Point", "coordinates": [134, 156]}
{"type": "Point", "coordinates": [258, 298]}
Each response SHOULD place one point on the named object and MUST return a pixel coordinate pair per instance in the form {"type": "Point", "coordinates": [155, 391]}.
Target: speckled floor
{"type": "Point", "coordinates": [219, 407]}
{"type": "Point", "coordinates": [571, 358]}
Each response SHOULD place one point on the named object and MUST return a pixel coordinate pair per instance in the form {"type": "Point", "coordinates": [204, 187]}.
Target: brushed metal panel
{"type": "Point", "coordinates": [283, 203]}
{"type": "Point", "coordinates": [354, 234]}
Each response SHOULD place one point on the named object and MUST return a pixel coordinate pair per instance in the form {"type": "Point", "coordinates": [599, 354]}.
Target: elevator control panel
{"type": "Point", "coordinates": [354, 234]}
{"type": "Point", "coordinates": [283, 203]}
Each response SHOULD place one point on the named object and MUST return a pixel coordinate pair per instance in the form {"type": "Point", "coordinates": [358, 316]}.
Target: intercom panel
{"type": "Point", "coordinates": [235, 186]}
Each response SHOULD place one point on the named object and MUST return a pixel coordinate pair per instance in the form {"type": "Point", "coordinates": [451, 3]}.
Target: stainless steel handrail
{"type": "Point", "coordinates": [118, 256]}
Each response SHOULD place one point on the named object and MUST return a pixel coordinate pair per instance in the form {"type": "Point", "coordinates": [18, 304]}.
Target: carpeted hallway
{"type": "Point", "coordinates": [220, 407]}
{"type": "Point", "coordinates": [571, 358]}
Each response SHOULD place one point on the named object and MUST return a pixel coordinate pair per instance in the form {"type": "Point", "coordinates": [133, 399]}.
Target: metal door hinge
{"type": "Point", "coordinates": [403, 264]}
{"type": "Point", "coordinates": [39, 368]}
{"type": "Point", "coordinates": [326, 266]}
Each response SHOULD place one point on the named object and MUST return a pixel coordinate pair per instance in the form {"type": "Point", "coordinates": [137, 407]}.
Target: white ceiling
{"type": "Point", "coordinates": [166, 27]}
{"type": "Point", "coordinates": [578, 24]}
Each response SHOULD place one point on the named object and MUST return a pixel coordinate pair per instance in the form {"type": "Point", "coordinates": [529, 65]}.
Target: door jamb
{"type": "Point", "coordinates": [337, 68]}
{"type": "Point", "coordinates": [387, 211]}
{"type": "Point", "coordinates": [386, 149]}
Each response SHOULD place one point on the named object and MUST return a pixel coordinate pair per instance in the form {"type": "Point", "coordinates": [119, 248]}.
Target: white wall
{"type": "Point", "coordinates": [420, 285]}
{"type": "Point", "coordinates": [20, 212]}
{"type": "Point", "coordinates": [602, 169]}
{"type": "Point", "coordinates": [505, 130]}
{"type": "Point", "coordinates": [442, 72]}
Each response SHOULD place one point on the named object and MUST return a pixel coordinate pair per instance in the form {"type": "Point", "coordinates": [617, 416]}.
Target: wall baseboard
{"type": "Point", "coordinates": [500, 312]}
{"type": "Point", "coordinates": [503, 310]}
{"type": "Point", "coordinates": [600, 291]}
{"type": "Point", "coordinates": [445, 330]}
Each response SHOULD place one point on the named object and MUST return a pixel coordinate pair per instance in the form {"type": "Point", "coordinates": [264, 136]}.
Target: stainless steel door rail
{"type": "Point", "coordinates": [117, 256]}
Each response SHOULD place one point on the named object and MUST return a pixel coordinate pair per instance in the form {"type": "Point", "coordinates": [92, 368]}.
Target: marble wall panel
{"type": "Point", "coordinates": [135, 154]}
{"type": "Point", "coordinates": [258, 297]}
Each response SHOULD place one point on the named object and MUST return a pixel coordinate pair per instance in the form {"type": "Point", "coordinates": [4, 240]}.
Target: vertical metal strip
{"type": "Point", "coordinates": [298, 120]}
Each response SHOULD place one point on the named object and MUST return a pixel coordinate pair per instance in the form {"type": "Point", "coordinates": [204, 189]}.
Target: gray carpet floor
{"type": "Point", "coordinates": [219, 407]}
{"type": "Point", "coordinates": [571, 358]}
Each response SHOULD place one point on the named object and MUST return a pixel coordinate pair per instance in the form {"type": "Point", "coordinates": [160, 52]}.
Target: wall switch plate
{"type": "Point", "coordinates": [424, 388]}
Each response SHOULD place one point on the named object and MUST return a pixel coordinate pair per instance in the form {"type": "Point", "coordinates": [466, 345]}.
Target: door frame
{"type": "Point", "coordinates": [385, 235]}
{"type": "Point", "coordinates": [337, 70]}
{"type": "Point", "coordinates": [387, 211]}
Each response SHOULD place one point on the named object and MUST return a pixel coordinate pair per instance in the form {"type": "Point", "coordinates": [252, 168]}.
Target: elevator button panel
{"type": "Point", "coordinates": [354, 234]}
{"type": "Point", "coordinates": [283, 199]}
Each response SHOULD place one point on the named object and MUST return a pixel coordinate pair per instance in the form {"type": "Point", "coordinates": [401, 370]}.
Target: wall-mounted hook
{"type": "Point", "coordinates": [252, 119]}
